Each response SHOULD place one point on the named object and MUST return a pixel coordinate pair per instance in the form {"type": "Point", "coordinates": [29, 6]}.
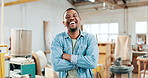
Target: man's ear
{"type": "Point", "coordinates": [64, 23]}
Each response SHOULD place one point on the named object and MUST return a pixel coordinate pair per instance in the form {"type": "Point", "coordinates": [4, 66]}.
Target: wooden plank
{"type": "Point", "coordinates": [105, 51]}
{"type": "Point", "coordinates": [19, 2]}
{"type": "Point", "coordinates": [108, 60]}
{"type": "Point", "coordinates": [2, 65]}
{"type": "Point", "coordinates": [137, 3]}
{"type": "Point", "coordinates": [102, 49]}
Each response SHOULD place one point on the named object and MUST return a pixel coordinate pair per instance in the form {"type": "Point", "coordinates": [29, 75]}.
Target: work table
{"type": "Point", "coordinates": [139, 52]}
{"type": "Point", "coordinates": [134, 60]}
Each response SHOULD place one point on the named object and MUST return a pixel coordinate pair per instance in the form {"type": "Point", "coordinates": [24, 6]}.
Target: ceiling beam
{"type": "Point", "coordinates": [115, 1]}
{"type": "Point", "coordinates": [98, 2]}
{"type": "Point", "coordinates": [72, 1]}
{"type": "Point", "coordinates": [124, 1]}
{"type": "Point", "coordinates": [136, 4]}
{"type": "Point", "coordinates": [18, 2]}
{"type": "Point", "coordinates": [82, 3]}
{"type": "Point", "coordinates": [114, 4]}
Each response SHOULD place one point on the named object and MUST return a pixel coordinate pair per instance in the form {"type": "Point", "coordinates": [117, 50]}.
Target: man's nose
{"type": "Point", "coordinates": [71, 17]}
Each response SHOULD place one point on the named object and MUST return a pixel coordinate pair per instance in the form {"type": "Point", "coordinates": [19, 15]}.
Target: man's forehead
{"type": "Point", "coordinates": [71, 11]}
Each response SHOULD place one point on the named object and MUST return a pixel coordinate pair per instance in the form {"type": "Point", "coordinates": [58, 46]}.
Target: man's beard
{"type": "Point", "coordinates": [73, 29]}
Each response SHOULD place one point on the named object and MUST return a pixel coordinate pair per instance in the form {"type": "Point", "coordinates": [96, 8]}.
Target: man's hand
{"type": "Point", "coordinates": [66, 56]}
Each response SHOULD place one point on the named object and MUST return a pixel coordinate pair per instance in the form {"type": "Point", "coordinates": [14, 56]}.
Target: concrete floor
{"type": "Point", "coordinates": [123, 76]}
{"type": "Point", "coordinates": [133, 75]}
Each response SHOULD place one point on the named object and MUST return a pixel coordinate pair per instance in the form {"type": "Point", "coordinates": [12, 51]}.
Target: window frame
{"type": "Point", "coordinates": [101, 34]}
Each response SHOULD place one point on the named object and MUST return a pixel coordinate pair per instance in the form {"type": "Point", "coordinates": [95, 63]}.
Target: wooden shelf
{"type": "Point", "coordinates": [106, 51]}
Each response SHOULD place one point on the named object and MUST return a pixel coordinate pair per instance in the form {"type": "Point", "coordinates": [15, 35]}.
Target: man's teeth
{"type": "Point", "coordinates": [72, 22]}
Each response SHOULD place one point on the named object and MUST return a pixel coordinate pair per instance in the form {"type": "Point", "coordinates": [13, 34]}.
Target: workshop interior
{"type": "Point", "coordinates": [27, 28]}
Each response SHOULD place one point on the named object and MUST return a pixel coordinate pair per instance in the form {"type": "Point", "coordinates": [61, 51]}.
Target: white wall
{"type": "Point", "coordinates": [31, 16]}
{"type": "Point", "coordinates": [104, 16]}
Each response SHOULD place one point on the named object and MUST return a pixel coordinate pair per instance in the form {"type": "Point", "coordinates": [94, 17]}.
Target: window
{"type": "Point", "coordinates": [141, 30]}
{"type": "Point", "coordinates": [141, 27]}
{"type": "Point", "coordinates": [113, 28]}
{"type": "Point", "coordinates": [103, 28]}
{"type": "Point", "coordinates": [103, 32]}
{"type": "Point", "coordinates": [94, 28]}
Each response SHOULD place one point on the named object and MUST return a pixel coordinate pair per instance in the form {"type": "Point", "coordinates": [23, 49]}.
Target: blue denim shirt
{"type": "Point", "coordinates": [84, 58]}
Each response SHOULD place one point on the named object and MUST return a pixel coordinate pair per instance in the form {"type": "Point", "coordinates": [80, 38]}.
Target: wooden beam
{"type": "Point", "coordinates": [133, 6]}
{"type": "Point", "coordinates": [115, 1]}
{"type": "Point", "coordinates": [136, 4]}
{"type": "Point", "coordinates": [19, 2]}
{"type": "Point", "coordinates": [82, 3]}
{"type": "Point", "coordinates": [113, 4]}
{"type": "Point", "coordinates": [98, 2]}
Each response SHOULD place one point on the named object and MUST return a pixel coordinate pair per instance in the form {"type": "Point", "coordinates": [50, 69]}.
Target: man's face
{"type": "Point", "coordinates": [71, 20]}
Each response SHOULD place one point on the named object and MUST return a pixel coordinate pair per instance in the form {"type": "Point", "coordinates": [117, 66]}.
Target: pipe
{"type": "Point", "coordinates": [2, 23]}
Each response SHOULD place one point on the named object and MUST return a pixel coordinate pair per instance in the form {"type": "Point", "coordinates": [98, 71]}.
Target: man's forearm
{"type": "Point", "coordinates": [66, 56]}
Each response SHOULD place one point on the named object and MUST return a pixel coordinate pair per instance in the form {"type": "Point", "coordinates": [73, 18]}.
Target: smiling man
{"type": "Point", "coordinates": [74, 53]}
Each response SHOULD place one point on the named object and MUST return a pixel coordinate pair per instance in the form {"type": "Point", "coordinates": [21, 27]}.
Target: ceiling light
{"type": "Point", "coordinates": [91, 0]}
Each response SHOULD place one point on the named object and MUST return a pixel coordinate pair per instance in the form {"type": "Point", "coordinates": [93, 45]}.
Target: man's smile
{"type": "Point", "coordinates": [72, 22]}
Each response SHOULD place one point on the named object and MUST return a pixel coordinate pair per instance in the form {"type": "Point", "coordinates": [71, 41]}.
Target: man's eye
{"type": "Point", "coordinates": [67, 17]}
{"type": "Point", "coordinates": [74, 16]}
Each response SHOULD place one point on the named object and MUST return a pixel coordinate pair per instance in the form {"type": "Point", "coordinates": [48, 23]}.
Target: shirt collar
{"type": "Point", "coordinates": [67, 36]}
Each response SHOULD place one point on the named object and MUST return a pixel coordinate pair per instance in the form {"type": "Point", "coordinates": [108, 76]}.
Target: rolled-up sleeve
{"type": "Point", "coordinates": [56, 57]}
{"type": "Point", "coordinates": [89, 60]}
{"type": "Point", "coordinates": [74, 59]}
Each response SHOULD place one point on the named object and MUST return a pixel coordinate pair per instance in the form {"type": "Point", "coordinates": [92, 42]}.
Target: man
{"type": "Point", "coordinates": [74, 53]}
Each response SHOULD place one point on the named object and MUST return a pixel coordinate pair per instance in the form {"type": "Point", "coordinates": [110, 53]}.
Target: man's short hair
{"type": "Point", "coordinates": [71, 9]}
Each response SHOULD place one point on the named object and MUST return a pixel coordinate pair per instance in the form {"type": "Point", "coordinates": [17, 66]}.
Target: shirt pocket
{"type": "Point", "coordinates": [81, 49]}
